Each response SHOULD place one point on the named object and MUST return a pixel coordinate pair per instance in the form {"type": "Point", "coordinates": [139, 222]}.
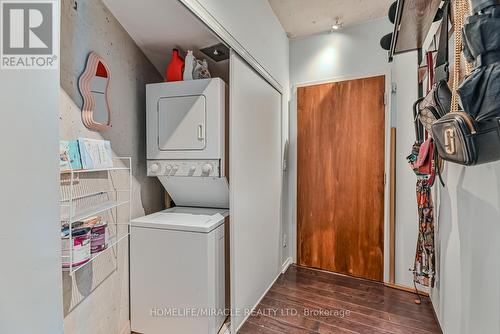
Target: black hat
{"type": "Point", "coordinates": [385, 42]}
{"type": "Point", "coordinates": [392, 11]}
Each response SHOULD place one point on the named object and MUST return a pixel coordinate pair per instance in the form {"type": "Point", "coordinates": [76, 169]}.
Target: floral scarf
{"type": "Point", "coordinates": [423, 270]}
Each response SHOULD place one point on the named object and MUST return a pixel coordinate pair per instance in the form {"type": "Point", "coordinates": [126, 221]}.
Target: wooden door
{"type": "Point", "coordinates": [340, 177]}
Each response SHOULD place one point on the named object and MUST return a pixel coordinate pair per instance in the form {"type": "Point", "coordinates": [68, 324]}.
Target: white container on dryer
{"type": "Point", "coordinates": [177, 271]}
{"type": "Point", "coordinates": [186, 120]}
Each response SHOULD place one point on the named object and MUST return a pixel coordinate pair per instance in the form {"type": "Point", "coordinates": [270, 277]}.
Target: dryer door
{"type": "Point", "coordinates": [182, 123]}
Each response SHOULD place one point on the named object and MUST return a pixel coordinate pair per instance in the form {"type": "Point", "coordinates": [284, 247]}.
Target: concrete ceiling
{"type": "Point", "coordinates": [306, 17]}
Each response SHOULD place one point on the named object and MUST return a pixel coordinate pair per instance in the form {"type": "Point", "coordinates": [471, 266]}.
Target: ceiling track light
{"type": "Point", "coordinates": [337, 25]}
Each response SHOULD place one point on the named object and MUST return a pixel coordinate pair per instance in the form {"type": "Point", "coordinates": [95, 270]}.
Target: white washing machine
{"type": "Point", "coordinates": [177, 276]}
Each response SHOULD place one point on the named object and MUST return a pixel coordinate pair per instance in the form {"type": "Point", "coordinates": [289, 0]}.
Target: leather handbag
{"type": "Point", "coordinates": [424, 163]}
{"type": "Point", "coordinates": [437, 102]}
{"type": "Point", "coordinates": [423, 158]}
{"type": "Point", "coordinates": [460, 139]}
{"type": "Point", "coordinates": [459, 136]}
{"type": "Point", "coordinates": [428, 162]}
{"type": "Point", "coordinates": [480, 91]}
{"type": "Point", "coordinates": [435, 105]}
{"type": "Point", "coordinates": [419, 139]}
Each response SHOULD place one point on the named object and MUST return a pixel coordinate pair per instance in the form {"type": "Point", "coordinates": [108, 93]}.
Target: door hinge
{"type": "Point", "coordinates": [385, 99]}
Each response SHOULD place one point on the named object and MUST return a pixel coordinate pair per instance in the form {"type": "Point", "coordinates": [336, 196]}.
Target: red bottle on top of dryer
{"type": "Point", "coordinates": [175, 68]}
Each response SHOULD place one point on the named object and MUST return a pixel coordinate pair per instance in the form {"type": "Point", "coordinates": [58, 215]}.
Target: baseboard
{"type": "Point", "coordinates": [126, 329]}
{"type": "Point", "coordinates": [436, 317]}
{"type": "Point", "coordinates": [405, 288]}
{"type": "Point", "coordinates": [288, 263]}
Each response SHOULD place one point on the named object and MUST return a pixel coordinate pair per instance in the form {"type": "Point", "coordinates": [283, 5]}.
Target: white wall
{"type": "Point", "coordinates": [404, 74]}
{"type": "Point", "coordinates": [352, 53]}
{"type": "Point", "coordinates": [30, 244]}
{"type": "Point", "coordinates": [467, 292]}
{"type": "Point", "coordinates": [254, 25]}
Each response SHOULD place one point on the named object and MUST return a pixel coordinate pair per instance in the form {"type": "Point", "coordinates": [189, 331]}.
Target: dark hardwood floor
{"type": "Point", "coordinates": [311, 301]}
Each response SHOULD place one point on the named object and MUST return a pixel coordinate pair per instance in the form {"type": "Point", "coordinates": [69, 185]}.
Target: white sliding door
{"type": "Point", "coordinates": [255, 181]}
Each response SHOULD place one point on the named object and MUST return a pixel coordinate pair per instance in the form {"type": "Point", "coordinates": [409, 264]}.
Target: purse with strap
{"type": "Point", "coordinates": [459, 137]}
{"type": "Point", "coordinates": [480, 91]}
{"type": "Point", "coordinates": [436, 103]}
{"type": "Point", "coordinates": [419, 139]}
{"type": "Point", "coordinates": [423, 159]}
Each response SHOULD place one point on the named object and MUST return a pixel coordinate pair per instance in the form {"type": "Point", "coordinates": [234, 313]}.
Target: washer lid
{"type": "Point", "coordinates": [183, 219]}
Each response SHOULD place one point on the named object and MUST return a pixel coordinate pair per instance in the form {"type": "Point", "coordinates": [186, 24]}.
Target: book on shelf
{"type": "Point", "coordinates": [69, 155]}
{"type": "Point", "coordinates": [95, 153]}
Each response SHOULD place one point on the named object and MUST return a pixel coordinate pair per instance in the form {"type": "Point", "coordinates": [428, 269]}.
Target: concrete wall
{"type": "Point", "coordinates": [30, 246]}
{"type": "Point", "coordinates": [98, 295]}
{"type": "Point", "coordinates": [352, 53]}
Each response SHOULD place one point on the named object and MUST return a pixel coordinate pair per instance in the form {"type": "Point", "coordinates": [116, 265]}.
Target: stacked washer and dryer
{"type": "Point", "coordinates": [177, 256]}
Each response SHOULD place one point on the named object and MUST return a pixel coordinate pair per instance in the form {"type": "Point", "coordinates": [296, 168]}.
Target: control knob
{"type": "Point", "coordinates": [206, 169]}
{"type": "Point", "coordinates": [155, 167]}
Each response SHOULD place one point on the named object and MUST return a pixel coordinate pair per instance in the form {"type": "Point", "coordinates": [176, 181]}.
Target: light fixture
{"type": "Point", "coordinates": [338, 24]}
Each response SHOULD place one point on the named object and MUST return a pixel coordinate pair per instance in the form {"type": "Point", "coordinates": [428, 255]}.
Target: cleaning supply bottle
{"type": "Point", "coordinates": [197, 69]}
{"type": "Point", "coordinates": [201, 70]}
{"type": "Point", "coordinates": [175, 67]}
{"type": "Point", "coordinates": [189, 63]}
{"type": "Point", "coordinates": [205, 73]}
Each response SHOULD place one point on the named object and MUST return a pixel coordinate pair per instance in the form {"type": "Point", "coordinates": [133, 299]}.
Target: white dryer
{"type": "Point", "coordinates": [177, 277]}
{"type": "Point", "coordinates": [187, 140]}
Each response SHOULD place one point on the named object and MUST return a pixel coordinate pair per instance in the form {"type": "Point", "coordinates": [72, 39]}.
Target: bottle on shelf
{"type": "Point", "coordinates": [175, 68]}
{"type": "Point", "coordinates": [189, 63]}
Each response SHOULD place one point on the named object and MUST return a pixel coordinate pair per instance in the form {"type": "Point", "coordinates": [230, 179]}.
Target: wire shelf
{"type": "Point", "coordinates": [93, 211]}
{"type": "Point", "coordinates": [111, 244]}
{"type": "Point", "coordinates": [105, 193]}
{"type": "Point", "coordinates": [76, 171]}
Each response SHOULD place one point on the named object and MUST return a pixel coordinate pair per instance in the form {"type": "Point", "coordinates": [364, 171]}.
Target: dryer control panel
{"type": "Point", "coordinates": [184, 168]}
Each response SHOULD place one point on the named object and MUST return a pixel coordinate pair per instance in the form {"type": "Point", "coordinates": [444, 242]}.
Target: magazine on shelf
{"type": "Point", "coordinates": [95, 154]}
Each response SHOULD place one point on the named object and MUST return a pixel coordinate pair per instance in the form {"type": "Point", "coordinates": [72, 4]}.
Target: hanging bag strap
{"type": "Point", "coordinates": [465, 14]}
{"type": "Point", "coordinates": [442, 70]}
{"type": "Point", "coordinates": [430, 71]}
{"type": "Point", "coordinates": [419, 130]}
{"type": "Point", "coordinates": [461, 11]}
